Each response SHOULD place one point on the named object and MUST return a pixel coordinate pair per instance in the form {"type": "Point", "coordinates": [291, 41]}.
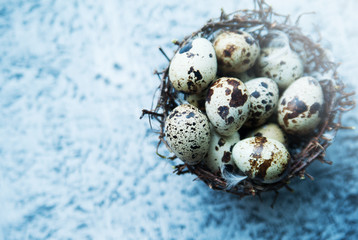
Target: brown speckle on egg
{"type": "Point", "coordinates": [223, 111]}
{"type": "Point", "coordinates": [246, 61]}
{"type": "Point", "coordinates": [229, 50]}
{"type": "Point", "coordinates": [226, 157]}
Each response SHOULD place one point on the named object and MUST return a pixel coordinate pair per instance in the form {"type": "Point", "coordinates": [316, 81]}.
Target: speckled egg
{"type": "Point", "coordinates": [194, 66]}
{"type": "Point", "coordinates": [301, 106]}
{"type": "Point", "coordinates": [282, 65]}
{"type": "Point", "coordinates": [187, 132]}
{"type": "Point", "coordinates": [227, 105]}
{"type": "Point", "coordinates": [269, 130]}
{"type": "Point", "coordinates": [236, 52]}
{"type": "Point", "coordinates": [264, 95]}
{"type": "Point", "coordinates": [261, 159]}
{"type": "Point", "coordinates": [220, 151]}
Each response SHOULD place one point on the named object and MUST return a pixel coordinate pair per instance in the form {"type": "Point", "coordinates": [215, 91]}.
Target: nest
{"type": "Point", "coordinates": [303, 150]}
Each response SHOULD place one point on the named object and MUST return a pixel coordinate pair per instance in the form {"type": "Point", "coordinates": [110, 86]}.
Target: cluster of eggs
{"type": "Point", "coordinates": [239, 83]}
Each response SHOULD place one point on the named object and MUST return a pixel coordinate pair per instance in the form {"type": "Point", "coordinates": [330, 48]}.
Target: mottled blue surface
{"type": "Point", "coordinates": [77, 163]}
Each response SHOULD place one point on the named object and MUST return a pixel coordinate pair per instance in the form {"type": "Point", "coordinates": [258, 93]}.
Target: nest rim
{"type": "Point", "coordinates": [337, 101]}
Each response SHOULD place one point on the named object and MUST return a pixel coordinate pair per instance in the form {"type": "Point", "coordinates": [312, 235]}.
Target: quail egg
{"type": "Point", "coordinates": [193, 67]}
{"type": "Point", "coordinates": [269, 130]}
{"type": "Point", "coordinates": [282, 65]}
{"type": "Point", "coordinates": [264, 95]}
{"type": "Point", "coordinates": [301, 106]}
{"type": "Point", "coordinates": [220, 151]}
{"type": "Point", "coordinates": [261, 159]}
{"type": "Point", "coordinates": [187, 133]}
{"type": "Point", "coordinates": [236, 52]}
{"type": "Point", "coordinates": [227, 105]}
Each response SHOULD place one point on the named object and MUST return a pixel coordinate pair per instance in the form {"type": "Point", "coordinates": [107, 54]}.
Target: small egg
{"type": "Point", "coordinates": [220, 151]}
{"type": "Point", "coordinates": [193, 67]}
{"type": "Point", "coordinates": [236, 52]}
{"type": "Point", "coordinates": [269, 130]}
{"type": "Point", "coordinates": [301, 106]}
{"type": "Point", "coordinates": [264, 95]}
{"type": "Point", "coordinates": [187, 133]}
{"type": "Point", "coordinates": [261, 159]}
{"type": "Point", "coordinates": [227, 105]}
{"type": "Point", "coordinates": [282, 65]}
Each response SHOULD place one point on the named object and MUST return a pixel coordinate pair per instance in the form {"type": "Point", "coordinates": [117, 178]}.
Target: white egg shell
{"type": "Point", "coordinates": [282, 65]}
{"type": "Point", "coordinates": [227, 105]}
{"type": "Point", "coordinates": [236, 51]}
{"type": "Point", "coordinates": [220, 151]}
{"type": "Point", "coordinates": [264, 95]}
{"type": "Point", "coordinates": [300, 106]}
{"type": "Point", "coordinates": [261, 159]}
{"type": "Point", "coordinates": [187, 132]}
{"type": "Point", "coordinates": [194, 66]}
{"type": "Point", "coordinates": [269, 130]}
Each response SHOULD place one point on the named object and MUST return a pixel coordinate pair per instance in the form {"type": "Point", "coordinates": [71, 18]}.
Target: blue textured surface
{"type": "Point", "coordinates": [77, 163]}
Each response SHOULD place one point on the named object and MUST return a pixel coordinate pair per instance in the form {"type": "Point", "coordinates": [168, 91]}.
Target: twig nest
{"type": "Point", "coordinates": [236, 52]}
{"type": "Point", "coordinates": [301, 106]}
{"type": "Point", "coordinates": [237, 99]}
{"type": "Point", "coordinates": [227, 105]}
{"type": "Point", "coordinates": [261, 159]}
{"type": "Point", "coordinates": [193, 67]}
{"type": "Point", "coordinates": [187, 132]}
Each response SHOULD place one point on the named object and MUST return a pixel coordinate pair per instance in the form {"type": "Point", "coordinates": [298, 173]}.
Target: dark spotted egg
{"type": "Point", "coordinates": [193, 67]}
{"type": "Point", "coordinates": [187, 132]}
{"type": "Point", "coordinates": [264, 95]}
{"type": "Point", "coordinates": [227, 105]}
{"type": "Point", "coordinates": [261, 159]}
{"type": "Point", "coordinates": [236, 52]}
{"type": "Point", "coordinates": [301, 106]}
{"type": "Point", "coordinates": [220, 151]}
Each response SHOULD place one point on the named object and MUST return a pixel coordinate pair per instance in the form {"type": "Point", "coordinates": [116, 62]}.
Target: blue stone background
{"type": "Point", "coordinates": [77, 163]}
